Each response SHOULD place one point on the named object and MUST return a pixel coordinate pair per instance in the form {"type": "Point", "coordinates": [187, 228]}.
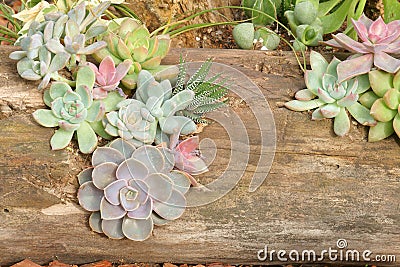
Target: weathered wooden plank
{"type": "Point", "coordinates": [320, 188]}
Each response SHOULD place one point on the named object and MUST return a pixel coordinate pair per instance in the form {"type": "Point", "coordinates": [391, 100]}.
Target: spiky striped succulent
{"type": "Point", "coordinates": [153, 109]}
{"type": "Point", "coordinates": [130, 39]}
{"type": "Point", "coordinates": [130, 190]}
{"type": "Point", "coordinates": [208, 93]}
{"type": "Point", "coordinates": [383, 100]}
{"type": "Point", "coordinates": [330, 98]}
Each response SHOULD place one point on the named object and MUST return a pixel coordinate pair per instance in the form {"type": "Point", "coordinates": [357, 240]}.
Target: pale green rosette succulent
{"type": "Point", "coordinates": [330, 98]}
{"type": "Point", "coordinates": [129, 190]}
{"type": "Point", "coordinates": [151, 113]}
{"type": "Point", "coordinates": [72, 111]}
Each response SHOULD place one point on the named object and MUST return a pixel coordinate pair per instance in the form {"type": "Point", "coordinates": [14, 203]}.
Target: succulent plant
{"type": "Point", "coordinates": [79, 29]}
{"type": "Point", "coordinates": [268, 38]}
{"type": "Point", "coordinates": [246, 37]}
{"type": "Point", "coordinates": [207, 92]}
{"type": "Point", "coordinates": [187, 156]}
{"type": "Point", "coordinates": [383, 100]}
{"type": "Point", "coordinates": [108, 76]}
{"type": "Point", "coordinates": [379, 42]}
{"type": "Point", "coordinates": [72, 111]}
{"type": "Point", "coordinates": [36, 62]}
{"type": "Point", "coordinates": [304, 22]}
{"type": "Point", "coordinates": [130, 190]}
{"type": "Point", "coordinates": [133, 41]}
{"type": "Point", "coordinates": [269, 7]}
{"type": "Point", "coordinates": [43, 53]}
{"type": "Point", "coordinates": [243, 34]}
{"type": "Point", "coordinates": [332, 98]}
{"type": "Point", "coordinates": [138, 119]}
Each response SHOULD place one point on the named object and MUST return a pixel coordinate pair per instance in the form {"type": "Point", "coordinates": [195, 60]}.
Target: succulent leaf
{"type": "Point", "coordinates": [380, 131]}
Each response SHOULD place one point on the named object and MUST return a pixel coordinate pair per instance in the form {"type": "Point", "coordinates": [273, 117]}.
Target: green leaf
{"type": "Point", "coordinates": [45, 118]}
{"type": "Point", "coordinates": [381, 112]}
{"type": "Point", "coordinates": [396, 124]}
{"type": "Point", "coordinates": [361, 114]}
{"type": "Point", "coordinates": [368, 99]}
{"type": "Point", "coordinates": [341, 125]}
{"type": "Point", "coordinates": [392, 98]}
{"type": "Point", "coordinates": [96, 111]}
{"type": "Point", "coordinates": [87, 139]}
{"type": "Point", "coordinates": [112, 100]}
{"type": "Point", "coordinates": [86, 77]}
{"type": "Point", "coordinates": [297, 105]}
{"type": "Point", "coordinates": [61, 139]}
{"type": "Point", "coordinates": [392, 10]}
{"type": "Point", "coordinates": [380, 82]}
{"type": "Point", "coordinates": [381, 131]}
{"type": "Point", "coordinates": [334, 21]}
{"type": "Point", "coordinates": [98, 127]}
{"type": "Point", "coordinates": [59, 61]}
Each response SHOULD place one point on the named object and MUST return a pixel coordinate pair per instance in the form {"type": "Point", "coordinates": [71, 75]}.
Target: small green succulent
{"type": "Point", "coordinates": [305, 23]}
{"type": "Point", "coordinates": [383, 100]}
{"type": "Point", "coordinates": [130, 39]}
{"type": "Point", "coordinates": [72, 111]}
{"type": "Point", "coordinates": [153, 108]}
{"type": "Point", "coordinates": [331, 98]}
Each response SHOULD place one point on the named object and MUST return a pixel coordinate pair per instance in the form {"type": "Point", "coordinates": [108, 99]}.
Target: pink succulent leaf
{"type": "Point", "coordinates": [107, 69]}
{"type": "Point", "coordinates": [380, 48]}
{"type": "Point", "coordinates": [386, 62]}
{"type": "Point", "coordinates": [349, 44]}
{"type": "Point", "coordinates": [374, 38]}
{"type": "Point", "coordinates": [189, 145]}
{"type": "Point", "coordinates": [393, 27]}
{"type": "Point", "coordinates": [378, 30]}
{"type": "Point", "coordinates": [121, 70]}
{"type": "Point", "coordinates": [94, 68]}
{"type": "Point", "coordinates": [365, 20]}
{"type": "Point", "coordinates": [361, 29]}
{"type": "Point", "coordinates": [394, 47]}
{"type": "Point", "coordinates": [333, 43]}
{"type": "Point", "coordinates": [99, 93]}
{"type": "Point", "coordinates": [355, 66]}
{"type": "Point", "coordinates": [101, 80]}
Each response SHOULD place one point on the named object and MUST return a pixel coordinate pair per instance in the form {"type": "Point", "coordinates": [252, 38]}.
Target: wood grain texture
{"type": "Point", "coordinates": [320, 188]}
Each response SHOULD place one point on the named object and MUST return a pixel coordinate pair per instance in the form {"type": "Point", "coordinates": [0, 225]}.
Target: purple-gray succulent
{"type": "Point", "coordinates": [129, 190]}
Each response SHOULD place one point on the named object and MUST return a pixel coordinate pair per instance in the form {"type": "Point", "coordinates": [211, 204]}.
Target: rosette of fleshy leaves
{"type": "Point", "coordinates": [129, 190]}
{"type": "Point", "coordinates": [108, 76]}
{"type": "Point", "coordinates": [330, 98]}
{"type": "Point", "coordinates": [383, 100]}
{"type": "Point", "coordinates": [75, 111]}
{"type": "Point", "coordinates": [305, 23]}
{"type": "Point", "coordinates": [130, 39]}
{"type": "Point", "coordinates": [151, 113]}
{"type": "Point", "coordinates": [81, 27]}
{"type": "Point", "coordinates": [209, 92]}
{"type": "Point", "coordinates": [58, 41]}
{"type": "Point", "coordinates": [379, 42]}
